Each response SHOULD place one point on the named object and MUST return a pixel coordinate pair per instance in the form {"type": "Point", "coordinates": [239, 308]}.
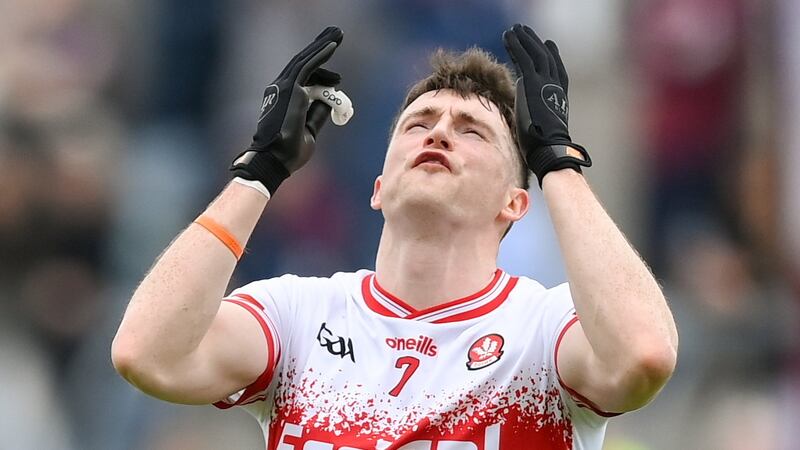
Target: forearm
{"type": "Point", "coordinates": [174, 306]}
{"type": "Point", "coordinates": [622, 309]}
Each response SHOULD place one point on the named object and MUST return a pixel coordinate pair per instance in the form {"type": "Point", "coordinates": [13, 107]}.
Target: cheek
{"type": "Point", "coordinates": [392, 168]}
{"type": "Point", "coordinates": [496, 165]}
{"type": "Point", "coordinates": [509, 165]}
{"type": "Point", "coordinates": [393, 161]}
{"type": "Point", "coordinates": [495, 175]}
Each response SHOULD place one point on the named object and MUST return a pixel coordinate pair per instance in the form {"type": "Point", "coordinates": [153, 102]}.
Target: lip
{"type": "Point", "coordinates": [429, 156]}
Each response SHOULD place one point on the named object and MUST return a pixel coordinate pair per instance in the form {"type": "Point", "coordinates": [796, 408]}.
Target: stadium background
{"type": "Point", "coordinates": [118, 120]}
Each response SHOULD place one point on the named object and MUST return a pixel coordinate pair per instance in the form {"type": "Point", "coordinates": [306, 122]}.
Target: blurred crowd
{"type": "Point", "coordinates": [118, 120]}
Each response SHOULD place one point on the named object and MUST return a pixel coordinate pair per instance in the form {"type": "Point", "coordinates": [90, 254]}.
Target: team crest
{"type": "Point", "coordinates": [484, 352]}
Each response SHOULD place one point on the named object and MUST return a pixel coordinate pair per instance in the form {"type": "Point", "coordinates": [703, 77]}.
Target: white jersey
{"type": "Point", "coordinates": [353, 367]}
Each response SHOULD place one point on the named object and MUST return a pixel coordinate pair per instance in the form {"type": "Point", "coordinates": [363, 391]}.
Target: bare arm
{"type": "Point", "coordinates": [623, 350]}
{"type": "Point", "coordinates": [178, 341]}
{"type": "Point", "coordinates": [175, 341]}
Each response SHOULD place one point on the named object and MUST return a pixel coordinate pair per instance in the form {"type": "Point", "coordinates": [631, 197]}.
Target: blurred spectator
{"type": "Point", "coordinates": [690, 53]}
{"type": "Point", "coordinates": [53, 238]}
{"type": "Point", "coordinates": [58, 154]}
{"type": "Point", "coordinates": [31, 416]}
{"type": "Point", "coordinates": [711, 217]}
{"type": "Point", "coordinates": [788, 153]}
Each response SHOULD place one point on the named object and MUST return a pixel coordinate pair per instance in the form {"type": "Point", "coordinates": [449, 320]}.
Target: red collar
{"type": "Point", "coordinates": [482, 302]}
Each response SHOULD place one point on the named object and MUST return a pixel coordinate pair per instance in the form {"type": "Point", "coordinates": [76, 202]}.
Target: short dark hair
{"type": "Point", "coordinates": [473, 72]}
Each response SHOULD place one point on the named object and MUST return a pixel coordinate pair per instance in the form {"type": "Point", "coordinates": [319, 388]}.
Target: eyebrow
{"type": "Point", "coordinates": [461, 116]}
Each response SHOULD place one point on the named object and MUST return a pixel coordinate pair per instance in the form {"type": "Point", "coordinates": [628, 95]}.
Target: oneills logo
{"type": "Point", "coordinates": [484, 352]}
{"type": "Point", "coordinates": [421, 344]}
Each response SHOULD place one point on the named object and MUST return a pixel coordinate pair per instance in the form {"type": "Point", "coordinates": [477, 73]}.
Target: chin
{"type": "Point", "coordinates": [422, 199]}
{"type": "Point", "coordinates": [421, 196]}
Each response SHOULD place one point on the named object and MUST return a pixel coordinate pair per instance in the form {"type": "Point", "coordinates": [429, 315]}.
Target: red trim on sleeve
{"type": "Point", "coordinates": [249, 299]}
{"type": "Point", "coordinates": [580, 399]}
{"type": "Point", "coordinates": [255, 390]}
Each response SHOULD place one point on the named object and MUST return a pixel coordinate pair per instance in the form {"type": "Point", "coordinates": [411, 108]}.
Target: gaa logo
{"type": "Point", "coordinates": [484, 352]}
{"type": "Point", "coordinates": [555, 99]}
{"type": "Point", "coordinates": [270, 100]}
{"type": "Point", "coordinates": [336, 345]}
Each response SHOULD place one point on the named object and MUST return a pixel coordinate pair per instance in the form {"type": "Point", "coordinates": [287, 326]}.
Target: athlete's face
{"type": "Point", "coordinates": [452, 157]}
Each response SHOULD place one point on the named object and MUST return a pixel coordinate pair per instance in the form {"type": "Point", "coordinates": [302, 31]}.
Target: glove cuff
{"type": "Point", "coordinates": [557, 156]}
{"type": "Point", "coordinates": [252, 184]}
{"type": "Point", "coordinates": [260, 166]}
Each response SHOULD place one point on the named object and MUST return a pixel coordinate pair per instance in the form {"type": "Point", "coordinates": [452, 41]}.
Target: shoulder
{"type": "Point", "coordinates": [549, 303]}
{"type": "Point", "coordinates": [528, 287]}
{"type": "Point", "coordinates": [292, 286]}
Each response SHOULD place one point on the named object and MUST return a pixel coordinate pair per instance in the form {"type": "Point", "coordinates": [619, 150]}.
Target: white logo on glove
{"type": "Point", "coordinates": [270, 100]}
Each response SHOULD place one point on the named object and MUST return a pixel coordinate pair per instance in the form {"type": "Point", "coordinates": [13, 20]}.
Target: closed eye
{"type": "Point", "coordinates": [413, 125]}
{"type": "Point", "coordinates": [474, 132]}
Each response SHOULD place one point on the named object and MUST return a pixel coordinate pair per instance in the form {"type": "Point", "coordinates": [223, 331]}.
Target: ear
{"type": "Point", "coordinates": [375, 200]}
{"type": "Point", "coordinates": [516, 206]}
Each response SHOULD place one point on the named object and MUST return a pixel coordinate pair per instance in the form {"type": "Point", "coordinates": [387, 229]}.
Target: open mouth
{"type": "Point", "coordinates": [432, 158]}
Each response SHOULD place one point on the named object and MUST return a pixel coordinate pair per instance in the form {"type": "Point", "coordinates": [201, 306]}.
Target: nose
{"type": "Point", "coordinates": [438, 138]}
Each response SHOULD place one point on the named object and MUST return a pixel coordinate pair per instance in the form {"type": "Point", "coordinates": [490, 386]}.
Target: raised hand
{"type": "Point", "coordinates": [288, 122]}
{"type": "Point", "coordinates": [541, 104]}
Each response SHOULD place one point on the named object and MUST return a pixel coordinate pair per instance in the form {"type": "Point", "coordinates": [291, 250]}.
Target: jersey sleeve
{"type": "Point", "coordinates": [561, 317]}
{"type": "Point", "coordinates": [270, 303]}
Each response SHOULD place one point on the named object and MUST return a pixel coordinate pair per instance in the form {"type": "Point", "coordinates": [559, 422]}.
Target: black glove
{"type": "Point", "coordinates": [287, 125]}
{"type": "Point", "coordinates": [541, 104]}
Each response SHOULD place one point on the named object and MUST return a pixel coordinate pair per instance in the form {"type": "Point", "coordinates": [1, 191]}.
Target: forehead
{"type": "Point", "coordinates": [448, 100]}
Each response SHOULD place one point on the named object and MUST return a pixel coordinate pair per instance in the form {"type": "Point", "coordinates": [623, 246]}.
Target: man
{"type": "Point", "coordinates": [437, 348]}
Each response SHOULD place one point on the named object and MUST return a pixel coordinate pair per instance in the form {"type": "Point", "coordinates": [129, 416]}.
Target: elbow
{"type": "Point", "coordinates": [137, 369]}
{"type": "Point", "coordinates": [657, 364]}
{"type": "Point", "coordinates": [135, 363]}
{"type": "Point", "coordinates": [652, 362]}
{"type": "Point", "coordinates": [649, 371]}
{"type": "Point", "coordinates": [658, 359]}
{"type": "Point", "coordinates": [147, 372]}
{"type": "Point", "coordinates": [124, 358]}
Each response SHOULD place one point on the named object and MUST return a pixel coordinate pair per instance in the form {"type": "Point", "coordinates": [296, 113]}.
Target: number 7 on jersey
{"type": "Point", "coordinates": [411, 364]}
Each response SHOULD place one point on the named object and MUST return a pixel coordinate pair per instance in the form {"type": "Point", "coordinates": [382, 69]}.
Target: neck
{"type": "Point", "coordinates": [426, 269]}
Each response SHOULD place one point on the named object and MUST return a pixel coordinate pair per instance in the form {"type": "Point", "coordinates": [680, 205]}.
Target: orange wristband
{"type": "Point", "coordinates": [222, 234]}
